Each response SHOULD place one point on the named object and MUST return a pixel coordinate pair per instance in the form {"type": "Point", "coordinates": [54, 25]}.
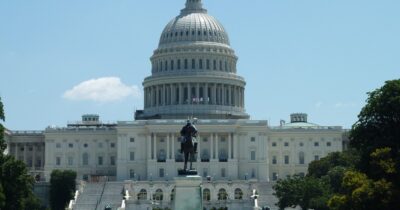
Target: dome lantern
{"type": "Point", "coordinates": [193, 6]}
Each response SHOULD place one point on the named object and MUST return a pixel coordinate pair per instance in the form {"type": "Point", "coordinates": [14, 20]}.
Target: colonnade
{"type": "Point", "coordinates": [31, 152]}
{"type": "Point", "coordinates": [213, 142]}
{"type": "Point", "coordinates": [194, 93]}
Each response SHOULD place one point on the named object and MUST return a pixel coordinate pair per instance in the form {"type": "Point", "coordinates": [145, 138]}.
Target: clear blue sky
{"type": "Point", "coordinates": [313, 56]}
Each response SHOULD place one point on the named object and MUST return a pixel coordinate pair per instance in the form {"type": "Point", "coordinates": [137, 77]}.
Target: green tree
{"type": "Point", "coordinates": [62, 188]}
{"type": "Point", "coordinates": [15, 183]}
{"type": "Point", "coordinates": [306, 192]}
{"type": "Point", "coordinates": [378, 124]}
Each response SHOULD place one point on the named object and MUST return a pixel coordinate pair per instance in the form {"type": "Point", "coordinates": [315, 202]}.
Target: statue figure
{"type": "Point", "coordinates": [188, 144]}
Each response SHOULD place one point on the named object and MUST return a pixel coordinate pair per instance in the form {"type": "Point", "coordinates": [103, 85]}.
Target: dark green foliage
{"type": "Point", "coordinates": [306, 192]}
{"type": "Point", "coordinates": [62, 188]}
{"type": "Point", "coordinates": [2, 118]}
{"type": "Point", "coordinates": [17, 183]}
{"type": "Point", "coordinates": [378, 123]}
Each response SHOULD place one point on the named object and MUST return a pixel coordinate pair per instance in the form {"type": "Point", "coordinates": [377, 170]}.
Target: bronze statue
{"type": "Point", "coordinates": [188, 144]}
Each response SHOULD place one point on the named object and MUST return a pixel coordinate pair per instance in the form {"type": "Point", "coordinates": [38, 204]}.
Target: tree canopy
{"type": "Point", "coordinates": [366, 177]}
{"type": "Point", "coordinates": [62, 188]}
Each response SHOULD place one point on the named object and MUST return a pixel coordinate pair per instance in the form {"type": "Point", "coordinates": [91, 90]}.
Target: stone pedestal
{"type": "Point", "coordinates": [188, 194]}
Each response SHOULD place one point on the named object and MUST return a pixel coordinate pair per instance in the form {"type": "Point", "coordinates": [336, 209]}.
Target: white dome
{"type": "Point", "coordinates": [194, 24]}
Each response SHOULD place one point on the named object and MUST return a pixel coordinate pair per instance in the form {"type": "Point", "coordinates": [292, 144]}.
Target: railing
{"type": "Point", "coordinates": [27, 132]}
{"type": "Point", "coordinates": [101, 195]}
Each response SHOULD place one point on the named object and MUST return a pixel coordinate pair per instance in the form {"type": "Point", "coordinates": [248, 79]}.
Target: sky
{"type": "Point", "coordinates": [60, 59]}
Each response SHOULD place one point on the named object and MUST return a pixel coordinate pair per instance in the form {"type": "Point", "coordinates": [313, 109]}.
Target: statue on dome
{"type": "Point", "coordinates": [188, 147]}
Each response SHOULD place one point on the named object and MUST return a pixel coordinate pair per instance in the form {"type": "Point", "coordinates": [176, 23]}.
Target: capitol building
{"type": "Point", "coordinates": [132, 164]}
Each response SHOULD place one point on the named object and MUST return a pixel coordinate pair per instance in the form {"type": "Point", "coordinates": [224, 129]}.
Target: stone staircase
{"type": "Point", "coordinates": [112, 196]}
{"type": "Point", "coordinates": [89, 197]}
{"type": "Point", "coordinates": [266, 197]}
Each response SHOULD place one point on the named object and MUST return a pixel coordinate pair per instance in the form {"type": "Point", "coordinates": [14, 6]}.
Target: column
{"type": "Point", "coordinates": [223, 95]}
{"type": "Point", "coordinates": [163, 96]}
{"type": "Point", "coordinates": [214, 94]}
{"type": "Point", "coordinates": [189, 94]}
{"type": "Point", "coordinates": [235, 146]}
{"type": "Point", "coordinates": [198, 91]}
{"type": "Point", "coordinates": [229, 95]}
{"type": "Point", "coordinates": [173, 146]}
{"type": "Point", "coordinates": [155, 147]}
{"type": "Point", "coordinates": [229, 146]}
{"type": "Point", "coordinates": [148, 141]}
{"type": "Point", "coordinates": [205, 94]}
{"type": "Point", "coordinates": [33, 156]}
{"type": "Point", "coordinates": [16, 151]}
{"type": "Point", "coordinates": [25, 156]}
{"type": "Point", "coordinates": [180, 94]}
{"type": "Point", "coordinates": [168, 149]}
{"type": "Point", "coordinates": [173, 94]}
{"type": "Point", "coordinates": [212, 156]}
{"type": "Point", "coordinates": [216, 146]}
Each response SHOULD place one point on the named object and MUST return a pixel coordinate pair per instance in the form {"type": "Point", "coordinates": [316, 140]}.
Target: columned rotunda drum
{"type": "Point", "coordinates": [194, 71]}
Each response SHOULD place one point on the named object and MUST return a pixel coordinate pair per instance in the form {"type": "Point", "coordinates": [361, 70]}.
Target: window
{"type": "Point", "coordinates": [286, 144]}
{"type": "Point", "coordinates": [215, 65]}
{"type": "Point", "coordinates": [172, 195]}
{"type": "Point", "coordinates": [222, 195]}
{"type": "Point", "coordinates": [274, 160]}
{"type": "Point", "coordinates": [223, 172]}
{"type": "Point", "coordinates": [253, 173]}
{"type": "Point", "coordinates": [253, 139]}
{"type": "Point", "coordinates": [205, 140]}
{"type": "Point", "coordinates": [253, 155]}
{"type": "Point", "coordinates": [58, 161]}
{"type": "Point", "coordinates": [179, 64]}
{"type": "Point", "coordinates": [301, 158]}
{"type": "Point", "coordinates": [206, 194]}
{"type": "Point", "coordinates": [172, 65]}
{"type": "Point", "coordinates": [58, 145]}
{"type": "Point", "coordinates": [132, 173]}
{"type": "Point", "coordinates": [142, 195]}
{"type": "Point", "coordinates": [161, 172]}
{"type": "Point", "coordinates": [186, 64]}
{"type": "Point", "coordinates": [328, 144]}
{"type": "Point", "coordinates": [158, 196]}
{"type": "Point", "coordinates": [208, 64]}
{"type": "Point", "coordinates": [112, 160]}
{"type": "Point", "coordinates": [100, 145]}
{"type": "Point", "coordinates": [100, 160]}
{"type": "Point", "coordinates": [301, 144]}
{"type": "Point", "coordinates": [274, 176]}
{"type": "Point", "coordinates": [70, 161]}
{"type": "Point", "coordinates": [316, 157]}
{"type": "Point", "coordinates": [286, 159]}
{"type": "Point", "coordinates": [70, 145]}
{"type": "Point", "coordinates": [201, 64]}
{"type": "Point", "coordinates": [238, 194]}
{"type": "Point", "coordinates": [193, 63]}
{"type": "Point", "coordinates": [85, 145]}
{"type": "Point", "coordinates": [132, 140]}
{"type": "Point", "coordinates": [85, 159]}
{"type": "Point", "coordinates": [166, 66]}
{"type": "Point", "coordinates": [112, 145]}
{"type": "Point", "coordinates": [274, 144]}
{"type": "Point", "coordinates": [316, 144]}
{"type": "Point", "coordinates": [132, 156]}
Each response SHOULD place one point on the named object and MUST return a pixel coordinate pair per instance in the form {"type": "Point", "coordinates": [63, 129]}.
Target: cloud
{"type": "Point", "coordinates": [318, 104]}
{"type": "Point", "coordinates": [344, 105]}
{"type": "Point", "coordinates": [105, 89]}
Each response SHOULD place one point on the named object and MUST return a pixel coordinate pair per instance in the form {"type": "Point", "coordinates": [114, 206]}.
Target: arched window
{"type": "Point", "coordinates": [172, 65]}
{"type": "Point", "coordinates": [158, 196]}
{"type": "Point", "coordinates": [238, 194]}
{"type": "Point", "coordinates": [161, 156]}
{"type": "Point", "coordinates": [222, 195]}
{"type": "Point", "coordinates": [193, 63]}
{"type": "Point", "coordinates": [179, 64]}
{"type": "Point", "coordinates": [223, 156]}
{"type": "Point", "coordinates": [85, 159]}
{"type": "Point", "coordinates": [301, 158]}
{"type": "Point", "coordinates": [206, 195]}
{"type": "Point", "coordinates": [166, 66]}
{"type": "Point", "coordinates": [142, 195]}
{"type": "Point", "coordinates": [186, 64]}
{"type": "Point", "coordinates": [205, 156]}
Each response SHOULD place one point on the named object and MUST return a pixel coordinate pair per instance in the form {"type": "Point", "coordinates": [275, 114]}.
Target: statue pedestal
{"type": "Point", "coordinates": [188, 195]}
